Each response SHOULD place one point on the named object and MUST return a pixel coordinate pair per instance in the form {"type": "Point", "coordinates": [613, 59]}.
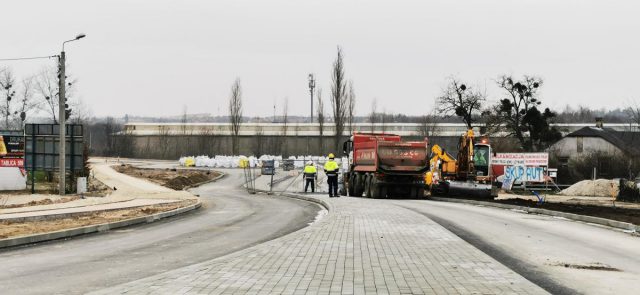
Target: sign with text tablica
{"type": "Point", "coordinates": [520, 159]}
{"type": "Point", "coordinates": [12, 173]}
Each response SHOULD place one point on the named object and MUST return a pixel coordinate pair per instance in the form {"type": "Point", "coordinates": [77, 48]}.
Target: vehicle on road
{"type": "Point", "coordinates": [382, 165]}
{"type": "Point", "coordinates": [470, 170]}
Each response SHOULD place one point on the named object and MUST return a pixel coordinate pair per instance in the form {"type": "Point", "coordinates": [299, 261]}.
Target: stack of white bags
{"type": "Point", "coordinates": [221, 161]}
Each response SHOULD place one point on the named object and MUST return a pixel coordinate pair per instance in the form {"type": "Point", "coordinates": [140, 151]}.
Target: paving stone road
{"type": "Point", "coordinates": [363, 246]}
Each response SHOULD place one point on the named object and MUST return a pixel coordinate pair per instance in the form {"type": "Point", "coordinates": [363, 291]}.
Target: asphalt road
{"type": "Point", "coordinates": [230, 220]}
{"type": "Point", "coordinates": [562, 256]}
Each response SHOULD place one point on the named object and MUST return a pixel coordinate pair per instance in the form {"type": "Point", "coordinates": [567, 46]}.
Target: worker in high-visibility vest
{"type": "Point", "coordinates": [331, 169]}
{"type": "Point", "coordinates": [310, 176]}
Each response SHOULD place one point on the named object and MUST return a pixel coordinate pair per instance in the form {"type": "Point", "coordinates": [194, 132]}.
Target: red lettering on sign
{"type": "Point", "coordinates": [10, 162]}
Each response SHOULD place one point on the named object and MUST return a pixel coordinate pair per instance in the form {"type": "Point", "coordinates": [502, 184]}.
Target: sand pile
{"type": "Point", "coordinates": [595, 188]}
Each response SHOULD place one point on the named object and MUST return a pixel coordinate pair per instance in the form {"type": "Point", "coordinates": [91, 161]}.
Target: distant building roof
{"type": "Point", "coordinates": [624, 140]}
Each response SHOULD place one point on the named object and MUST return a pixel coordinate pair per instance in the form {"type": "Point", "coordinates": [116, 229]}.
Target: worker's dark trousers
{"type": "Point", "coordinates": [332, 180]}
{"type": "Point", "coordinates": [313, 185]}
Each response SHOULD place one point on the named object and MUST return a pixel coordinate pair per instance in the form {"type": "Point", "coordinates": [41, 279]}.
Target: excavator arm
{"type": "Point", "coordinates": [447, 162]}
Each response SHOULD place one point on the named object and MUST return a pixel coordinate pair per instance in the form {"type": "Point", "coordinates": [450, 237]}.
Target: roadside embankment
{"type": "Point", "coordinates": [131, 201]}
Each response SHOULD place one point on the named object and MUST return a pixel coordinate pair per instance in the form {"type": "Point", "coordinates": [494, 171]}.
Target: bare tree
{"type": "Point", "coordinates": [373, 115]}
{"type": "Point", "coordinates": [47, 90]}
{"type": "Point", "coordinates": [351, 105]}
{"type": "Point", "coordinates": [8, 94]}
{"type": "Point", "coordinates": [428, 126]}
{"type": "Point", "coordinates": [110, 128]}
{"type": "Point", "coordinates": [459, 99]}
{"type": "Point", "coordinates": [285, 124]}
{"type": "Point", "coordinates": [633, 111]}
{"type": "Point", "coordinates": [338, 97]}
{"type": "Point", "coordinates": [519, 113]}
{"type": "Point", "coordinates": [235, 114]}
{"type": "Point", "coordinates": [27, 103]}
{"type": "Point", "coordinates": [202, 140]}
{"type": "Point", "coordinates": [164, 140]}
{"type": "Point", "coordinates": [320, 111]}
{"type": "Point", "coordinates": [258, 143]}
{"type": "Point", "coordinates": [384, 119]}
{"type": "Point", "coordinates": [184, 120]}
{"type": "Point", "coordinates": [285, 116]}
{"type": "Point", "coordinates": [82, 112]}
{"type": "Point", "coordinates": [16, 99]}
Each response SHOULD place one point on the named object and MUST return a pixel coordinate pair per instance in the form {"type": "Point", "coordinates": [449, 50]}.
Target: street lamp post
{"type": "Point", "coordinates": [62, 117]}
{"type": "Point", "coordinates": [312, 85]}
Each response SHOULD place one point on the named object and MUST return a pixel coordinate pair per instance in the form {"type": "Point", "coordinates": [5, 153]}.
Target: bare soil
{"type": "Point", "coordinates": [596, 188]}
{"type": "Point", "coordinates": [41, 202]}
{"type": "Point", "coordinates": [177, 179]}
{"type": "Point", "coordinates": [15, 229]}
{"type": "Point", "coordinates": [95, 188]}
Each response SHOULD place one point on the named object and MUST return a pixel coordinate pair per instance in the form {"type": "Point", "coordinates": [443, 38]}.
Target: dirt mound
{"type": "Point", "coordinates": [595, 188]}
{"type": "Point", "coordinates": [176, 179]}
{"type": "Point", "coordinates": [177, 183]}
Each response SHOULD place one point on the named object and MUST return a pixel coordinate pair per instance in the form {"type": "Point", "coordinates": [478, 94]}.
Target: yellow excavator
{"type": "Point", "coordinates": [470, 168]}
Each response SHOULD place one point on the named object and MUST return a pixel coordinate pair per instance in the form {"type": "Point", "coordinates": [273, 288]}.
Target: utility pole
{"type": "Point", "coordinates": [62, 118]}
{"type": "Point", "coordinates": [312, 85]}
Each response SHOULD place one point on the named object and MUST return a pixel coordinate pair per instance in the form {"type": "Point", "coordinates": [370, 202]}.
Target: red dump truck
{"type": "Point", "coordinates": [382, 165]}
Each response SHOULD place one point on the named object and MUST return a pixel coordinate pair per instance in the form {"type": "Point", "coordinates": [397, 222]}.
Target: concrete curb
{"type": "Point", "coordinates": [320, 202]}
{"type": "Point", "coordinates": [10, 242]}
{"type": "Point", "coordinates": [571, 216]}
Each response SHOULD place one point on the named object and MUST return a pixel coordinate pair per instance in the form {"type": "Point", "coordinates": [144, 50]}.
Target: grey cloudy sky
{"type": "Point", "coordinates": [153, 57]}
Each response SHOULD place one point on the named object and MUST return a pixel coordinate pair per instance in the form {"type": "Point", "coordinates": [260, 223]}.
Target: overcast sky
{"type": "Point", "coordinates": [154, 57]}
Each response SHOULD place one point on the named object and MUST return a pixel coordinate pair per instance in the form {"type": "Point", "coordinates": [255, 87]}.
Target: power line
{"type": "Point", "coordinates": [27, 58]}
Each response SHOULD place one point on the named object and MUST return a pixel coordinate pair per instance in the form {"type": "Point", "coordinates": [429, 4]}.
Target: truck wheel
{"type": "Point", "coordinates": [377, 190]}
{"type": "Point", "coordinates": [351, 184]}
{"type": "Point", "coordinates": [374, 188]}
{"type": "Point", "coordinates": [358, 185]}
{"type": "Point", "coordinates": [367, 186]}
{"type": "Point", "coordinates": [383, 191]}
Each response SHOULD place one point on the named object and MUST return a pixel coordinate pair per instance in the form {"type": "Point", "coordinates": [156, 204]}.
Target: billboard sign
{"type": "Point", "coordinates": [11, 146]}
{"type": "Point", "coordinates": [524, 173]}
{"type": "Point", "coordinates": [12, 173]}
{"type": "Point", "coordinates": [42, 141]}
{"type": "Point", "coordinates": [520, 159]}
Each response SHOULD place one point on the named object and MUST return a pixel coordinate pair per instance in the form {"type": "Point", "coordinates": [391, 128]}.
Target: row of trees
{"type": "Point", "coordinates": [343, 104]}
{"type": "Point", "coordinates": [35, 95]}
{"type": "Point", "coordinates": [517, 114]}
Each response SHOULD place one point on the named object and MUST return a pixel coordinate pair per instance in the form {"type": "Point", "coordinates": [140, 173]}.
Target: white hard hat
{"type": "Point", "coordinates": [309, 162]}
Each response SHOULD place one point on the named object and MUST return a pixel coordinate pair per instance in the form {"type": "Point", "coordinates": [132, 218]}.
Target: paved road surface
{"type": "Point", "coordinates": [363, 246]}
{"type": "Point", "coordinates": [540, 245]}
{"type": "Point", "coordinates": [230, 220]}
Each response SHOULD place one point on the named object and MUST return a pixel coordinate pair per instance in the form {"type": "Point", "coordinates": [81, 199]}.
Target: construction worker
{"type": "Point", "coordinates": [310, 176]}
{"type": "Point", "coordinates": [331, 169]}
